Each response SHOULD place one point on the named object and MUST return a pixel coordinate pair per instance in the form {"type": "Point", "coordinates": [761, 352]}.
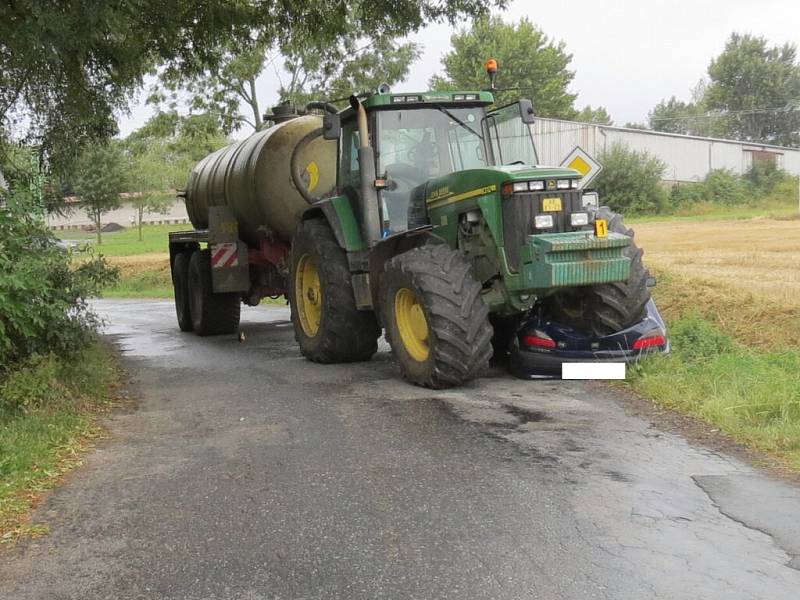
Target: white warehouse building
{"type": "Point", "coordinates": [688, 158]}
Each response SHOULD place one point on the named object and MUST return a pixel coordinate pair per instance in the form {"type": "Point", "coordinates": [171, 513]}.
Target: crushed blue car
{"type": "Point", "coordinates": [540, 346]}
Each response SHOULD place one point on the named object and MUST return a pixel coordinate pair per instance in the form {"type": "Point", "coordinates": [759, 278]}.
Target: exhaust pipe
{"type": "Point", "coordinates": [370, 215]}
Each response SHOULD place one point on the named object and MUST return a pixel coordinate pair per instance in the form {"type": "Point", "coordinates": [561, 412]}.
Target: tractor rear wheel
{"type": "Point", "coordinates": [608, 307]}
{"type": "Point", "coordinates": [436, 322]}
{"type": "Point", "coordinates": [327, 325]}
{"type": "Point", "coordinates": [180, 287]}
{"type": "Point", "coordinates": [212, 314]}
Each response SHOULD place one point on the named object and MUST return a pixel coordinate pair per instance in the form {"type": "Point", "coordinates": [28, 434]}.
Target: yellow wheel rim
{"type": "Point", "coordinates": [412, 324]}
{"type": "Point", "coordinates": [308, 295]}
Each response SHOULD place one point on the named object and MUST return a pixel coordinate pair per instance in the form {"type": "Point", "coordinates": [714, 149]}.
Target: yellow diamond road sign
{"type": "Point", "coordinates": [581, 161]}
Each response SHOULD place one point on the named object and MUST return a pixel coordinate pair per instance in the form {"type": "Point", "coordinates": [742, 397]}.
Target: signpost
{"type": "Point", "coordinates": [582, 161]}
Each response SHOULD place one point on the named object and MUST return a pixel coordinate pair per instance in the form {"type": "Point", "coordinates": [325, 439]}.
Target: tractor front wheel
{"type": "Point", "coordinates": [608, 307]}
{"type": "Point", "coordinates": [436, 322]}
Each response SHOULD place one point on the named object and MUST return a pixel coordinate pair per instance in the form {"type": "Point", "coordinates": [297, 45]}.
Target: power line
{"type": "Point", "coordinates": [751, 111]}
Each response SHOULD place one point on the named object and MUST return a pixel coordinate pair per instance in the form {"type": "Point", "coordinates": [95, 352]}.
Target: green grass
{"type": "Point", "coordinates": [715, 212]}
{"type": "Point", "coordinates": [753, 395]}
{"type": "Point", "coordinates": [47, 417]}
{"type": "Point", "coordinates": [126, 242]}
{"type": "Point", "coordinates": [142, 284]}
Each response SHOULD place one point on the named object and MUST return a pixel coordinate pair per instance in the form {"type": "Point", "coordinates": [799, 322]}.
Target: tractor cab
{"type": "Point", "coordinates": [421, 137]}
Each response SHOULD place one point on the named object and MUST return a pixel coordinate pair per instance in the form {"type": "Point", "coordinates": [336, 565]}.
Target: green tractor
{"type": "Point", "coordinates": [444, 232]}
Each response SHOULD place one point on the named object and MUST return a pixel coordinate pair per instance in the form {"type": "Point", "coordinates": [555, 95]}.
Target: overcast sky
{"type": "Point", "coordinates": [627, 55]}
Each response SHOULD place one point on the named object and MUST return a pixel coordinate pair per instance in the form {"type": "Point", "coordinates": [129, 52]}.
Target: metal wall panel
{"type": "Point", "coordinates": [688, 158]}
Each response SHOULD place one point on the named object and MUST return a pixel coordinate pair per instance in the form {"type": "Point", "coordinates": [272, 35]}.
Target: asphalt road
{"type": "Point", "coordinates": [247, 472]}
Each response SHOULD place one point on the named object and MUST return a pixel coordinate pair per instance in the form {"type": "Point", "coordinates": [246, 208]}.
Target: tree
{"type": "Point", "coordinates": [353, 64]}
{"type": "Point", "coordinates": [674, 116]}
{"type": "Point", "coordinates": [317, 70]}
{"type": "Point", "coordinates": [65, 67]}
{"type": "Point", "coordinates": [527, 59]}
{"type": "Point", "coordinates": [161, 154]}
{"type": "Point", "coordinates": [597, 115]}
{"type": "Point", "coordinates": [758, 88]}
{"type": "Point", "coordinates": [99, 180]}
{"type": "Point", "coordinates": [43, 293]}
{"type": "Point", "coordinates": [149, 187]}
{"type": "Point", "coordinates": [220, 91]}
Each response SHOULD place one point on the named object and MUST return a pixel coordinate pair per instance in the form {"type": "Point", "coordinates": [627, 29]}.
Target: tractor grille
{"type": "Point", "coordinates": [519, 211]}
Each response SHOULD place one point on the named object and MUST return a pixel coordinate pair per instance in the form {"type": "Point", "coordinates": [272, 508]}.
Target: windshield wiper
{"type": "Point", "coordinates": [441, 108]}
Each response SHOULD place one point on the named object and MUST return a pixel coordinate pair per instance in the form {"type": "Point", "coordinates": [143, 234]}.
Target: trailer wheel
{"type": "Point", "coordinates": [180, 286]}
{"type": "Point", "coordinates": [436, 322]}
{"type": "Point", "coordinates": [607, 307]}
{"type": "Point", "coordinates": [212, 314]}
{"type": "Point", "coordinates": [327, 325]}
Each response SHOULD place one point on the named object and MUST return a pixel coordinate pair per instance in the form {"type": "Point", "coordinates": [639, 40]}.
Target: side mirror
{"type": "Point", "coordinates": [331, 127]}
{"type": "Point", "coordinates": [526, 111]}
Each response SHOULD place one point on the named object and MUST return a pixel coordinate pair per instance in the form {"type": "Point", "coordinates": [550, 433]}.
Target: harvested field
{"type": "Point", "coordinates": [743, 275]}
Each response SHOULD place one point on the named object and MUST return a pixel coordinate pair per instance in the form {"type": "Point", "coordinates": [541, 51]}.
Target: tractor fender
{"type": "Point", "coordinates": [391, 246]}
{"type": "Point", "coordinates": [325, 210]}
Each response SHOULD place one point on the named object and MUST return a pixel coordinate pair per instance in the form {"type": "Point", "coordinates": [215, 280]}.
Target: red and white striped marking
{"type": "Point", "coordinates": [224, 255]}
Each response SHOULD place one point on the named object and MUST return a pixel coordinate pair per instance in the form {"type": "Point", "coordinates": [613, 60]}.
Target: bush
{"type": "Point", "coordinates": [785, 192]}
{"type": "Point", "coordinates": [631, 180]}
{"type": "Point", "coordinates": [32, 385]}
{"type": "Point", "coordinates": [726, 187]}
{"type": "Point", "coordinates": [684, 195]}
{"type": "Point", "coordinates": [761, 185]}
{"type": "Point", "coordinates": [43, 296]}
{"type": "Point", "coordinates": [765, 176]}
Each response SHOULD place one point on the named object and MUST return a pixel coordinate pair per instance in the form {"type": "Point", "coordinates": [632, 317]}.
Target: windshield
{"type": "Point", "coordinates": [429, 142]}
{"type": "Point", "coordinates": [415, 145]}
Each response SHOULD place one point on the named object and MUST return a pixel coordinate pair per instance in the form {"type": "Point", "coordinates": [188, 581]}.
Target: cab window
{"type": "Point", "coordinates": [348, 162]}
{"type": "Point", "coordinates": [512, 142]}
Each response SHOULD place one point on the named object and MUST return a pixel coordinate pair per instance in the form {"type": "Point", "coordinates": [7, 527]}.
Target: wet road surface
{"type": "Point", "coordinates": [247, 472]}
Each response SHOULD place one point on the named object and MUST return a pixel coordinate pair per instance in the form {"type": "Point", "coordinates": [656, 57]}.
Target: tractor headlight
{"type": "Point", "coordinates": [520, 186]}
{"type": "Point", "coordinates": [536, 186]}
{"type": "Point", "coordinates": [562, 184]}
{"type": "Point", "coordinates": [543, 221]}
{"type": "Point", "coordinates": [579, 219]}
{"type": "Point", "coordinates": [573, 184]}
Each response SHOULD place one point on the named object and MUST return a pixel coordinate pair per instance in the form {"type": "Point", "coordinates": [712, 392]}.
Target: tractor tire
{"type": "Point", "coordinates": [436, 321]}
{"type": "Point", "coordinates": [180, 287]}
{"type": "Point", "coordinates": [212, 314]}
{"type": "Point", "coordinates": [609, 307]}
{"type": "Point", "coordinates": [327, 325]}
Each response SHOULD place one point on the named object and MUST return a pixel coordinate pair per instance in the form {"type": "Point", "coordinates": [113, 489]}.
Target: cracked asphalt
{"type": "Point", "coordinates": [246, 472]}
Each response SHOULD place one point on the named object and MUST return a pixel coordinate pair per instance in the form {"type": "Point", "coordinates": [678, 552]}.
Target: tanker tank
{"type": "Point", "coordinates": [253, 178]}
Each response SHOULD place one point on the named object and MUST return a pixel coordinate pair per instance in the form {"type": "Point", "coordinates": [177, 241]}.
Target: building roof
{"type": "Point", "coordinates": [676, 135]}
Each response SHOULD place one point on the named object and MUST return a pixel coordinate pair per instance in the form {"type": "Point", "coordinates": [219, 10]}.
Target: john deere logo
{"type": "Point", "coordinates": [551, 184]}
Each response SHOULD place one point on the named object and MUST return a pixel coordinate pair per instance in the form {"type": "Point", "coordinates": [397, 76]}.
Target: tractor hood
{"type": "Point", "coordinates": [486, 180]}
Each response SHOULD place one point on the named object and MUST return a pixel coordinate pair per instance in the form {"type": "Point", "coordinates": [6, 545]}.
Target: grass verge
{"type": "Point", "coordinates": [144, 276]}
{"type": "Point", "coordinates": [126, 241]}
{"type": "Point", "coordinates": [751, 394]}
{"type": "Point", "coordinates": [48, 418]}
